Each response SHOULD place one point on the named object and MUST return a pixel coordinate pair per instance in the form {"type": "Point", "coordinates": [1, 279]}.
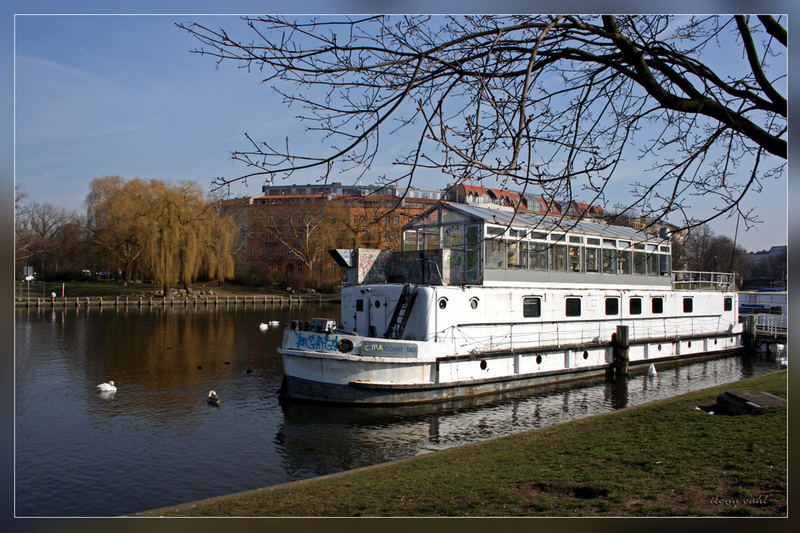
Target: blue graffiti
{"type": "Point", "coordinates": [315, 342]}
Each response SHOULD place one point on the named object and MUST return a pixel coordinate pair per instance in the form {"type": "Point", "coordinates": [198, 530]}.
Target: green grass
{"type": "Point", "coordinates": [660, 459]}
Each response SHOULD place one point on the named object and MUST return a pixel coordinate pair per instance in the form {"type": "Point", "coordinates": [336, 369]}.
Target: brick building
{"type": "Point", "coordinates": [286, 232]}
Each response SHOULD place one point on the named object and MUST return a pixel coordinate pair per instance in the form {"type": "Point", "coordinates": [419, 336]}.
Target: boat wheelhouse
{"type": "Point", "coordinates": [483, 299]}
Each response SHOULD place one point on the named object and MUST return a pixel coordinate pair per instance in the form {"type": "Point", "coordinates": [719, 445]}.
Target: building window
{"type": "Point", "coordinates": [728, 303]}
{"type": "Point", "coordinates": [635, 306]}
{"type": "Point", "coordinates": [532, 307]}
{"type": "Point", "coordinates": [612, 306]}
{"type": "Point", "coordinates": [573, 307]}
{"type": "Point", "coordinates": [657, 305]}
{"type": "Point", "coordinates": [688, 304]}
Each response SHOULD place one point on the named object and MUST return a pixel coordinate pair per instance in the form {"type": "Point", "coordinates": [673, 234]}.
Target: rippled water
{"type": "Point", "coordinates": [156, 442]}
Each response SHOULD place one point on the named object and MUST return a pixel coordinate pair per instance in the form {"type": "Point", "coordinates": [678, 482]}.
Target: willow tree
{"type": "Point", "coordinates": [186, 235]}
{"type": "Point", "coordinates": [680, 111]}
{"type": "Point", "coordinates": [220, 245]}
{"type": "Point", "coordinates": [116, 221]}
{"type": "Point", "coordinates": [167, 231]}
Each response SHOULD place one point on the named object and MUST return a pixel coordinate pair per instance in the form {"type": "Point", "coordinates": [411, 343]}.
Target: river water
{"type": "Point", "coordinates": [156, 442]}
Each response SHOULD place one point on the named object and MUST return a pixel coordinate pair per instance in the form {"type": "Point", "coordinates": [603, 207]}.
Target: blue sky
{"type": "Point", "coordinates": [105, 95]}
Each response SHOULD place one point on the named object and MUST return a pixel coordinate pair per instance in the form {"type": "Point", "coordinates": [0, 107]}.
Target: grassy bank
{"type": "Point", "coordinates": [661, 459]}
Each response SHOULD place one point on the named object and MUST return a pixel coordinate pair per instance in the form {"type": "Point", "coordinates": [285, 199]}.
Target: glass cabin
{"type": "Point", "coordinates": [493, 244]}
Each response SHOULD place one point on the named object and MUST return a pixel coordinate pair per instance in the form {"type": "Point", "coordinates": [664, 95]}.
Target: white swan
{"type": "Point", "coordinates": [213, 399]}
{"type": "Point", "coordinates": [651, 370]}
{"type": "Point", "coordinates": [107, 387]}
{"type": "Point", "coordinates": [274, 323]}
{"type": "Point", "coordinates": [263, 326]}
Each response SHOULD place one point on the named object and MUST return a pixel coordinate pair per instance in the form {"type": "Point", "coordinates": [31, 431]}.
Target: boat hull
{"type": "Point", "coordinates": [358, 381]}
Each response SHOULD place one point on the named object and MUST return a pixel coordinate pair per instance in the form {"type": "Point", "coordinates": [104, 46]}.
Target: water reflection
{"type": "Point", "coordinates": [156, 441]}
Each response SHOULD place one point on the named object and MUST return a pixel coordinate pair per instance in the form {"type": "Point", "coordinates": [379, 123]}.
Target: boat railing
{"type": "Point", "coordinates": [713, 281]}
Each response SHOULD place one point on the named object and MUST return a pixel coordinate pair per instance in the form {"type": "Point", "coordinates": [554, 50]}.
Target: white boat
{"type": "Point", "coordinates": [483, 300]}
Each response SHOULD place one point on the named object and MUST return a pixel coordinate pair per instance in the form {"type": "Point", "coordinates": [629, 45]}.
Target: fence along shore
{"type": "Point", "coordinates": [172, 301]}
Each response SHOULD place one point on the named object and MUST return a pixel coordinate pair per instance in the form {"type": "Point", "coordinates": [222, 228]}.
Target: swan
{"type": "Point", "coordinates": [213, 399]}
{"type": "Point", "coordinates": [107, 387]}
{"type": "Point", "coordinates": [263, 326]}
{"type": "Point", "coordinates": [651, 370]}
{"type": "Point", "coordinates": [274, 323]}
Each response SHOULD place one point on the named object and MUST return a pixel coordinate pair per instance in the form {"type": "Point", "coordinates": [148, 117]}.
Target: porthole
{"type": "Point", "coordinates": [659, 347]}
{"type": "Point", "coordinates": [483, 365]}
{"type": "Point", "coordinates": [473, 303]}
{"type": "Point", "coordinates": [377, 304]}
{"type": "Point", "coordinates": [345, 345]}
{"type": "Point", "coordinates": [585, 354]}
{"type": "Point", "coordinates": [689, 345]}
{"type": "Point", "coordinates": [715, 341]}
{"type": "Point", "coordinates": [538, 359]}
{"type": "Point", "coordinates": [442, 303]}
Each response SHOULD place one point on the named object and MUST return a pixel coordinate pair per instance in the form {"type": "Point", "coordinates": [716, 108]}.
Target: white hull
{"type": "Point", "coordinates": [462, 358]}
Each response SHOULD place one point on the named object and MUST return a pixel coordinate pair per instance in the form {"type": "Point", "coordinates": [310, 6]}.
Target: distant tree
{"type": "Point", "coordinates": [306, 230]}
{"type": "Point", "coordinates": [552, 104]}
{"type": "Point", "coordinates": [45, 222]}
{"type": "Point", "coordinates": [116, 221]}
{"type": "Point", "coordinates": [707, 252]}
{"type": "Point", "coordinates": [22, 235]}
{"type": "Point", "coordinates": [167, 232]}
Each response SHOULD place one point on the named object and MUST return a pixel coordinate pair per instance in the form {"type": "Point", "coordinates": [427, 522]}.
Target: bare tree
{"type": "Point", "coordinates": [22, 235]}
{"type": "Point", "coordinates": [556, 105]}
{"type": "Point", "coordinates": [306, 231]}
{"type": "Point", "coordinates": [45, 221]}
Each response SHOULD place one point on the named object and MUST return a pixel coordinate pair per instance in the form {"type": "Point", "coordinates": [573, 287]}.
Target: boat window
{"type": "Point", "coordinates": [539, 256]}
{"type": "Point", "coordinates": [575, 259]}
{"type": "Point", "coordinates": [575, 239]}
{"type": "Point", "coordinates": [592, 240]}
{"type": "Point", "coordinates": [442, 303]}
{"type": "Point", "coordinates": [473, 302]}
{"type": "Point", "coordinates": [687, 305]}
{"type": "Point", "coordinates": [556, 236]}
{"type": "Point", "coordinates": [532, 307]}
{"type": "Point", "coordinates": [657, 305]}
{"type": "Point", "coordinates": [624, 244]}
{"type": "Point", "coordinates": [523, 254]}
{"type": "Point", "coordinates": [665, 261]}
{"type": "Point", "coordinates": [625, 259]}
{"type": "Point", "coordinates": [558, 258]}
{"type": "Point", "coordinates": [638, 246]}
{"type": "Point", "coordinates": [359, 304]}
{"type": "Point", "coordinates": [592, 264]}
{"type": "Point", "coordinates": [652, 265]}
{"type": "Point", "coordinates": [538, 235]}
{"type": "Point", "coordinates": [612, 306]}
{"type": "Point", "coordinates": [432, 241]}
{"type": "Point", "coordinates": [635, 306]}
{"type": "Point", "coordinates": [492, 230]}
{"type": "Point", "coordinates": [520, 233]}
{"type": "Point", "coordinates": [573, 307]}
{"type": "Point", "coordinates": [512, 251]}
{"type": "Point", "coordinates": [728, 303]}
{"type": "Point", "coordinates": [639, 263]}
{"type": "Point", "coordinates": [609, 261]}
{"type": "Point", "coordinates": [610, 242]}
{"type": "Point", "coordinates": [664, 248]}
{"type": "Point", "coordinates": [495, 253]}
{"type": "Point", "coordinates": [409, 240]}
{"type": "Point", "coordinates": [453, 236]}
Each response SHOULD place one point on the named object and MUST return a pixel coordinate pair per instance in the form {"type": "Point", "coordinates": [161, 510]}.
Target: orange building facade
{"type": "Point", "coordinates": [284, 237]}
